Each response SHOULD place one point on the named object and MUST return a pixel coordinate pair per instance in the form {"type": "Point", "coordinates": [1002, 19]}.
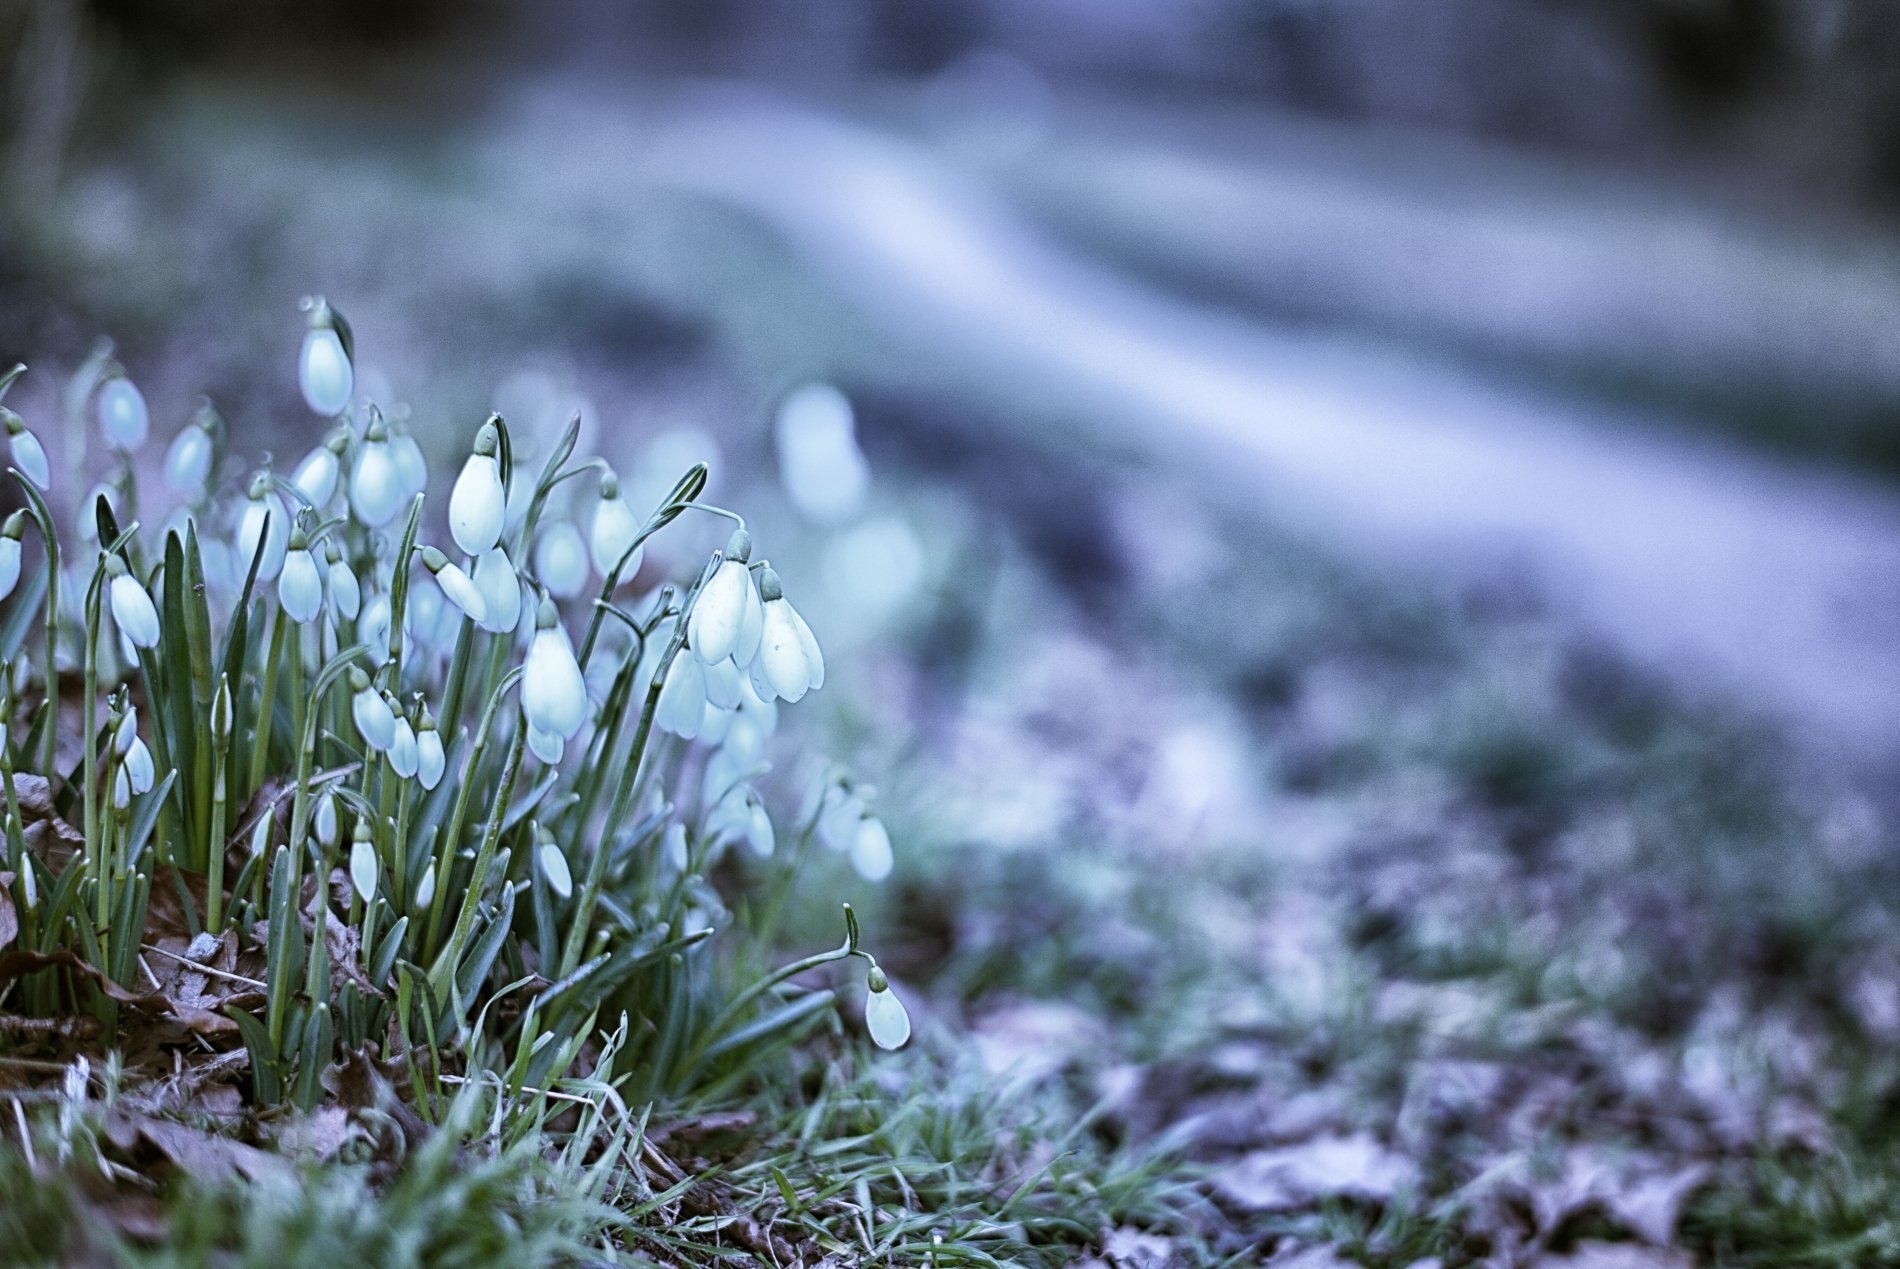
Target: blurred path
{"type": "Point", "coordinates": [1777, 584]}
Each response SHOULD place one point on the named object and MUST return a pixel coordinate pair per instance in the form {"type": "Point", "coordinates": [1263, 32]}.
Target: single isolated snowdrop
{"type": "Point", "coordinates": [123, 417]}
{"type": "Point", "coordinates": [325, 371]}
{"type": "Point", "coordinates": [726, 604]}
{"type": "Point", "coordinates": [431, 760]}
{"type": "Point", "coordinates": [132, 608]}
{"type": "Point", "coordinates": [376, 485]}
{"type": "Point", "coordinates": [789, 662]}
{"type": "Point", "coordinates": [316, 476]}
{"type": "Point", "coordinates": [478, 505]}
{"type": "Point", "coordinates": [553, 693]}
{"type": "Point", "coordinates": [28, 454]}
{"type": "Point", "coordinates": [346, 593]}
{"type": "Point", "coordinates": [458, 587]}
{"type": "Point", "coordinates": [615, 529]}
{"type": "Point", "coordinates": [300, 584]}
{"type": "Point", "coordinates": [10, 535]}
{"type": "Point", "coordinates": [189, 458]}
{"type": "Point", "coordinates": [375, 721]}
{"type": "Point", "coordinates": [264, 519]}
{"type": "Point", "coordinates": [501, 591]}
{"type": "Point", "coordinates": [560, 560]}
{"type": "Point", "coordinates": [820, 464]}
{"type": "Point", "coordinates": [884, 1014]}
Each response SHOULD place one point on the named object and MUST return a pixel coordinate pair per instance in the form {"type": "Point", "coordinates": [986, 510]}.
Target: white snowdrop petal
{"type": "Point", "coordinates": [719, 613]}
{"type": "Point", "coordinates": [554, 867]}
{"type": "Point", "coordinates": [682, 704]}
{"type": "Point", "coordinates": [373, 719]}
{"type": "Point", "coordinates": [553, 693]}
{"type": "Point", "coordinates": [431, 760]}
{"type": "Point", "coordinates": [745, 648]}
{"type": "Point", "coordinates": [376, 487]}
{"type": "Point", "coordinates": [188, 461]}
{"type": "Point", "coordinates": [500, 589]}
{"type": "Point", "coordinates": [30, 457]}
{"type": "Point", "coordinates": [814, 659]}
{"type": "Point", "coordinates": [324, 373]}
{"type": "Point", "coordinates": [614, 530]}
{"type": "Point", "coordinates": [325, 820]}
{"type": "Point", "coordinates": [560, 560]}
{"type": "Point", "coordinates": [346, 593]}
{"type": "Point", "coordinates": [404, 757]}
{"type": "Point", "coordinates": [264, 519]}
{"type": "Point", "coordinates": [133, 611]}
{"type": "Point", "coordinates": [461, 591]}
{"type": "Point", "coordinates": [412, 470]}
{"type": "Point", "coordinates": [782, 653]}
{"type": "Point", "coordinates": [300, 587]}
{"type": "Point", "coordinates": [316, 476]}
{"type": "Point", "coordinates": [123, 416]}
{"type": "Point", "coordinates": [9, 565]}
{"type": "Point", "coordinates": [886, 1019]}
{"type": "Point", "coordinates": [363, 869]}
{"type": "Point", "coordinates": [140, 768]}
{"type": "Point", "coordinates": [871, 849]}
{"type": "Point", "coordinates": [548, 746]}
{"type": "Point", "coordinates": [725, 686]}
{"type": "Point", "coordinates": [425, 889]}
{"type": "Point", "coordinates": [121, 790]}
{"type": "Point", "coordinates": [477, 504]}
{"type": "Point", "coordinates": [759, 836]}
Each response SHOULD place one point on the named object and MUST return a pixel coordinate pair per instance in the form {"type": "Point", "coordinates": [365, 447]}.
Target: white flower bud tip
{"type": "Point", "coordinates": [28, 454]}
{"type": "Point", "coordinates": [554, 868]}
{"type": "Point", "coordinates": [501, 591]}
{"type": "Point", "coordinates": [560, 560]}
{"type": "Point", "coordinates": [122, 413]}
{"type": "Point", "coordinates": [553, 693]}
{"type": "Point", "coordinates": [363, 869]}
{"type": "Point", "coordinates": [300, 584]}
{"type": "Point", "coordinates": [324, 372]}
{"type": "Point", "coordinates": [478, 505]}
{"type": "Point", "coordinates": [405, 756]}
{"type": "Point", "coordinates": [431, 761]}
{"type": "Point", "coordinates": [132, 608]}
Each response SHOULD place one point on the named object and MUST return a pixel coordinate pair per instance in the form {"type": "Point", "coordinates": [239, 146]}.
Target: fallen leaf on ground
{"type": "Point", "coordinates": [1595, 1255]}
{"type": "Point", "coordinates": [1292, 1176]}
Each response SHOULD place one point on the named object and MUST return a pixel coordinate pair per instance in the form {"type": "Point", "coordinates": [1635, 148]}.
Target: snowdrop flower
{"type": "Point", "coordinates": [425, 889]}
{"type": "Point", "coordinates": [789, 662]}
{"type": "Point", "coordinates": [722, 612]}
{"type": "Point", "coordinates": [29, 884]}
{"type": "Point", "coordinates": [374, 719]}
{"type": "Point", "coordinates": [823, 470]}
{"type": "Point", "coordinates": [405, 753]}
{"type": "Point", "coordinates": [132, 608]}
{"type": "Point", "coordinates": [884, 1014]}
{"type": "Point", "coordinates": [324, 370]}
{"type": "Point", "coordinates": [128, 652]}
{"type": "Point", "coordinates": [10, 536]}
{"type": "Point", "coordinates": [840, 811]}
{"type": "Point", "coordinates": [264, 519]}
{"type": "Point", "coordinates": [121, 791]}
{"type": "Point", "coordinates": [548, 746]}
{"type": "Point", "coordinates": [501, 591]}
{"type": "Point", "coordinates": [431, 761]}
{"type": "Point", "coordinates": [478, 504]}
{"type": "Point", "coordinates": [614, 530]}
{"type": "Point", "coordinates": [871, 849]}
{"type": "Point", "coordinates": [316, 476]}
{"type": "Point", "coordinates": [458, 586]}
{"type": "Point", "coordinates": [741, 815]}
{"type": "Point", "coordinates": [139, 767]}
{"type": "Point", "coordinates": [188, 460]}
{"type": "Point", "coordinates": [682, 696]}
{"type": "Point", "coordinates": [122, 413]}
{"type": "Point", "coordinates": [363, 863]}
{"type": "Point", "coordinates": [373, 628]}
{"type": "Point", "coordinates": [412, 470]}
{"type": "Point", "coordinates": [346, 593]}
{"type": "Point", "coordinates": [554, 869]}
{"type": "Point", "coordinates": [560, 560]}
{"type": "Point", "coordinates": [88, 522]}
{"type": "Point", "coordinates": [553, 693]}
{"type": "Point", "coordinates": [376, 485]}
{"type": "Point", "coordinates": [28, 454]}
{"type": "Point", "coordinates": [260, 835]}
{"type": "Point", "coordinates": [324, 821]}
{"type": "Point", "coordinates": [725, 686]}
{"type": "Point", "coordinates": [300, 585]}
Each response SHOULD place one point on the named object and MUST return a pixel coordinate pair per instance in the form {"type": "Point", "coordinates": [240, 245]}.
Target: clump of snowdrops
{"type": "Point", "coordinates": [441, 795]}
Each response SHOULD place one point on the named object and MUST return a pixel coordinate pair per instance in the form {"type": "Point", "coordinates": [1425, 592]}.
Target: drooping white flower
{"type": "Point", "coordinates": [721, 612]}
{"type": "Point", "coordinates": [346, 593]}
{"type": "Point", "coordinates": [615, 529]}
{"type": "Point", "coordinates": [501, 591]}
{"type": "Point", "coordinates": [820, 464]}
{"type": "Point", "coordinates": [405, 754]}
{"type": "Point", "coordinates": [126, 731]}
{"type": "Point", "coordinates": [458, 587]}
{"type": "Point", "coordinates": [373, 628]}
{"type": "Point", "coordinates": [560, 877]}
{"type": "Point", "coordinates": [265, 519]}
{"type": "Point", "coordinates": [260, 833]}
{"type": "Point", "coordinates": [363, 868]}
{"type": "Point", "coordinates": [139, 766]}
{"type": "Point", "coordinates": [122, 413]}
{"type": "Point", "coordinates": [128, 652]}
{"type": "Point", "coordinates": [121, 790]}
{"type": "Point", "coordinates": [412, 469]}
{"type": "Point", "coordinates": [560, 560]}
{"type": "Point", "coordinates": [682, 697]}
{"type": "Point", "coordinates": [725, 686]}
{"type": "Point", "coordinates": [431, 761]}
{"type": "Point", "coordinates": [324, 820]}
{"type": "Point", "coordinates": [840, 811]}
{"type": "Point", "coordinates": [376, 485]}
{"type": "Point", "coordinates": [10, 536]}
{"type": "Point", "coordinates": [478, 504]}
{"type": "Point", "coordinates": [324, 372]}
{"type": "Point", "coordinates": [789, 660]}
{"type": "Point", "coordinates": [548, 746]}
{"type": "Point", "coordinates": [28, 454]}
{"type": "Point", "coordinates": [300, 584]}
{"type": "Point", "coordinates": [375, 721]}
{"type": "Point", "coordinates": [188, 459]}
{"type": "Point", "coordinates": [132, 608]}
{"type": "Point", "coordinates": [884, 1014]}
{"type": "Point", "coordinates": [741, 816]}
{"type": "Point", "coordinates": [871, 849]}
{"type": "Point", "coordinates": [425, 889]}
{"type": "Point", "coordinates": [553, 693]}
{"type": "Point", "coordinates": [316, 476]}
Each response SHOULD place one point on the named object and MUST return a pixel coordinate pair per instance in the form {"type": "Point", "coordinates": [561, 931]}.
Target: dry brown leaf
{"type": "Point", "coordinates": [16, 964]}
{"type": "Point", "coordinates": [1293, 1176]}
{"type": "Point", "coordinates": [9, 919]}
{"type": "Point", "coordinates": [201, 1156]}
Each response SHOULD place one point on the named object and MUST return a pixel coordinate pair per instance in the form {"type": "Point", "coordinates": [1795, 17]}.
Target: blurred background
{"type": "Point", "coordinates": [1428, 474]}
